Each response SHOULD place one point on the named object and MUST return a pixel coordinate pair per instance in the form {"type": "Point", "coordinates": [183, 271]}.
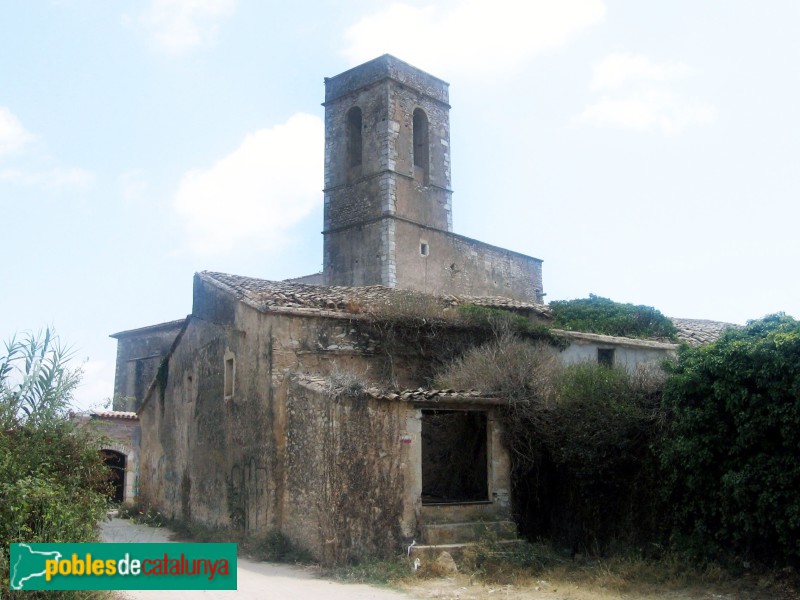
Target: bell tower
{"type": "Point", "coordinates": [387, 167]}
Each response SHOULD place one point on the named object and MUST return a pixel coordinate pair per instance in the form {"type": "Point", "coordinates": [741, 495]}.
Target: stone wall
{"type": "Point", "coordinates": [139, 353]}
{"type": "Point", "coordinates": [459, 265]}
{"type": "Point", "coordinates": [346, 473]}
{"type": "Point", "coordinates": [388, 220]}
{"type": "Point", "coordinates": [122, 433]}
{"type": "Point", "coordinates": [220, 460]}
{"type": "Point", "coordinates": [339, 474]}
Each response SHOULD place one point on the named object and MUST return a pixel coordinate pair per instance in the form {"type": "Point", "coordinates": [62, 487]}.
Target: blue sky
{"type": "Point", "coordinates": [647, 152]}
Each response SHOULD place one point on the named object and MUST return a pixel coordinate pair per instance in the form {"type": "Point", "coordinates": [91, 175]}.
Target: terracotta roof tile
{"type": "Point", "coordinates": [697, 332]}
{"type": "Point", "coordinates": [114, 414]}
{"type": "Point", "coordinates": [418, 395]}
{"type": "Point", "coordinates": [268, 295]}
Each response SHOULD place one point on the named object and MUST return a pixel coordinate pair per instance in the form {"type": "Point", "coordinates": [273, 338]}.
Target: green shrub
{"type": "Point", "coordinates": [734, 442]}
{"type": "Point", "coordinates": [53, 482]}
{"type": "Point", "coordinates": [598, 460]}
{"type": "Point", "coordinates": [596, 314]}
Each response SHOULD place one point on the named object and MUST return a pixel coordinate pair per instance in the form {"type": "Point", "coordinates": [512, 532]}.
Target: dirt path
{"type": "Point", "coordinates": [256, 580]}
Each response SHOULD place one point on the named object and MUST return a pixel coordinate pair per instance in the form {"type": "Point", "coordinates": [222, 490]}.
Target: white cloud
{"type": "Point", "coordinates": [13, 136]}
{"type": "Point", "coordinates": [617, 68]}
{"type": "Point", "coordinates": [59, 177]}
{"type": "Point", "coordinates": [256, 193]}
{"type": "Point", "coordinates": [472, 35]}
{"type": "Point", "coordinates": [133, 185]}
{"type": "Point", "coordinates": [639, 94]}
{"type": "Point", "coordinates": [180, 25]}
{"type": "Point", "coordinates": [13, 139]}
{"type": "Point", "coordinates": [648, 111]}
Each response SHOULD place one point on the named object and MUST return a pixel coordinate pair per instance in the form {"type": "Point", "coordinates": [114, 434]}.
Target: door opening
{"type": "Point", "coordinates": [454, 457]}
{"type": "Point", "coordinates": [115, 461]}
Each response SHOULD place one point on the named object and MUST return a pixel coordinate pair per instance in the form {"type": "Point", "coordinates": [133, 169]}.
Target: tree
{"type": "Point", "coordinates": [52, 476]}
{"type": "Point", "coordinates": [733, 453]}
{"type": "Point", "coordinates": [36, 381]}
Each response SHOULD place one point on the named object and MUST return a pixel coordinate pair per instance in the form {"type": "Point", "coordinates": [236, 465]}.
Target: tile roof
{"type": "Point", "coordinates": [697, 332]}
{"type": "Point", "coordinates": [285, 296]}
{"type": "Point", "coordinates": [417, 396]}
{"type": "Point", "coordinates": [114, 414]}
{"type": "Point", "coordinates": [149, 329]}
{"type": "Point", "coordinates": [656, 344]}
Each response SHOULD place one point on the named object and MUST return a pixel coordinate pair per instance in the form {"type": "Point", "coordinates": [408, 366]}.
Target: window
{"type": "Point", "coordinates": [230, 374]}
{"type": "Point", "coordinates": [421, 156]}
{"type": "Point", "coordinates": [188, 388]}
{"type": "Point", "coordinates": [424, 250]}
{"type": "Point", "coordinates": [355, 148]}
{"type": "Point", "coordinates": [605, 357]}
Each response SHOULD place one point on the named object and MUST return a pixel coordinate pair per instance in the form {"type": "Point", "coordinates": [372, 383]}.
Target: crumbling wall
{"type": "Point", "coordinates": [139, 354]}
{"type": "Point", "coordinates": [346, 466]}
{"type": "Point", "coordinates": [220, 458]}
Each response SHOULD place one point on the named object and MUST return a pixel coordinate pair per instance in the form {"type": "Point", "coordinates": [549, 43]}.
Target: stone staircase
{"type": "Point", "coordinates": [456, 527]}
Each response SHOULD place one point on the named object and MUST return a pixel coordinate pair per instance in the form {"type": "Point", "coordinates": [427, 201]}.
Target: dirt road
{"type": "Point", "coordinates": [256, 580]}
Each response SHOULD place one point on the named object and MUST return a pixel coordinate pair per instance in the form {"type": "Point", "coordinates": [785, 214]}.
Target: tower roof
{"type": "Point", "coordinates": [386, 67]}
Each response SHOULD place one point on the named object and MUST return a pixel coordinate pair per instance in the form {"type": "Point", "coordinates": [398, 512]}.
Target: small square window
{"type": "Point", "coordinates": [605, 357]}
{"type": "Point", "coordinates": [424, 250]}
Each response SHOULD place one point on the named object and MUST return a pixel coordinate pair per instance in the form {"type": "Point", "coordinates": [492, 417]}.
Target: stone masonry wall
{"type": "Point", "coordinates": [221, 460]}
{"type": "Point", "coordinates": [139, 352]}
{"type": "Point", "coordinates": [351, 448]}
{"type": "Point", "coordinates": [459, 265]}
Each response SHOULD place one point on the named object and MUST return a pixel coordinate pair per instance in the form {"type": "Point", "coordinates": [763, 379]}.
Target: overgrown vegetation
{"type": "Point", "coordinates": [733, 453]}
{"type": "Point", "coordinates": [53, 482]}
{"type": "Point", "coordinates": [702, 459]}
{"type": "Point", "coordinates": [436, 331]}
{"type": "Point", "coordinates": [579, 438]}
{"type": "Point", "coordinates": [596, 314]}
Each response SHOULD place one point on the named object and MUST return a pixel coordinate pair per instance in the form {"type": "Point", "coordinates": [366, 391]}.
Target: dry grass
{"type": "Point", "coordinates": [509, 366]}
{"type": "Point", "coordinates": [614, 579]}
{"type": "Point", "coordinates": [408, 306]}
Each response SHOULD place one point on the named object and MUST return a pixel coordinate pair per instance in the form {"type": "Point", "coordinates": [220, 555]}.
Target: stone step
{"type": "Point", "coordinates": [430, 552]}
{"type": "Point", "coordinates": [461, 513]}
{"type": "Point", "coordinates": [470, 531]}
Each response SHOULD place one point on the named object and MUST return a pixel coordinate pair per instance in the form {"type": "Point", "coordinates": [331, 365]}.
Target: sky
{"type": "Point", "coordinates": [646, 151]}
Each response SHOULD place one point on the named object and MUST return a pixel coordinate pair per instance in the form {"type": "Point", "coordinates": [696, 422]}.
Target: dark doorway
{"type": "Point", "coordinates": [115, 461]}
{"type": "Point", "coordinates": [454, 468]}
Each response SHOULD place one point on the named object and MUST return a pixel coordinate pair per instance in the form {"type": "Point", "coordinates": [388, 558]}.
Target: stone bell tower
{"type": "Point", "coordinates": [388, 210]}
{"type": "Point", "coordinates": [387, 158]}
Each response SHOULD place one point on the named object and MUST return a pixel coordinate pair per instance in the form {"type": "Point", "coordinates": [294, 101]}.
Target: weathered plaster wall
{"type": "Point", "coordinates": [221, 461]}
{"type": "Point", "coordinates": [346, 469]}
{"type": "Point", "coordinates": [361, 255]}
{"type": "Point", "coordinates": [139, 353]}
{"type": "Point", "coordinates": [459, 265]}
{"type": "Point", "coordinates": [628, 354]}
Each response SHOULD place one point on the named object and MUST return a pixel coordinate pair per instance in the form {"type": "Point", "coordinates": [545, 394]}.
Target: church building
{"type": "Point", "coordinates": [285, 405]}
